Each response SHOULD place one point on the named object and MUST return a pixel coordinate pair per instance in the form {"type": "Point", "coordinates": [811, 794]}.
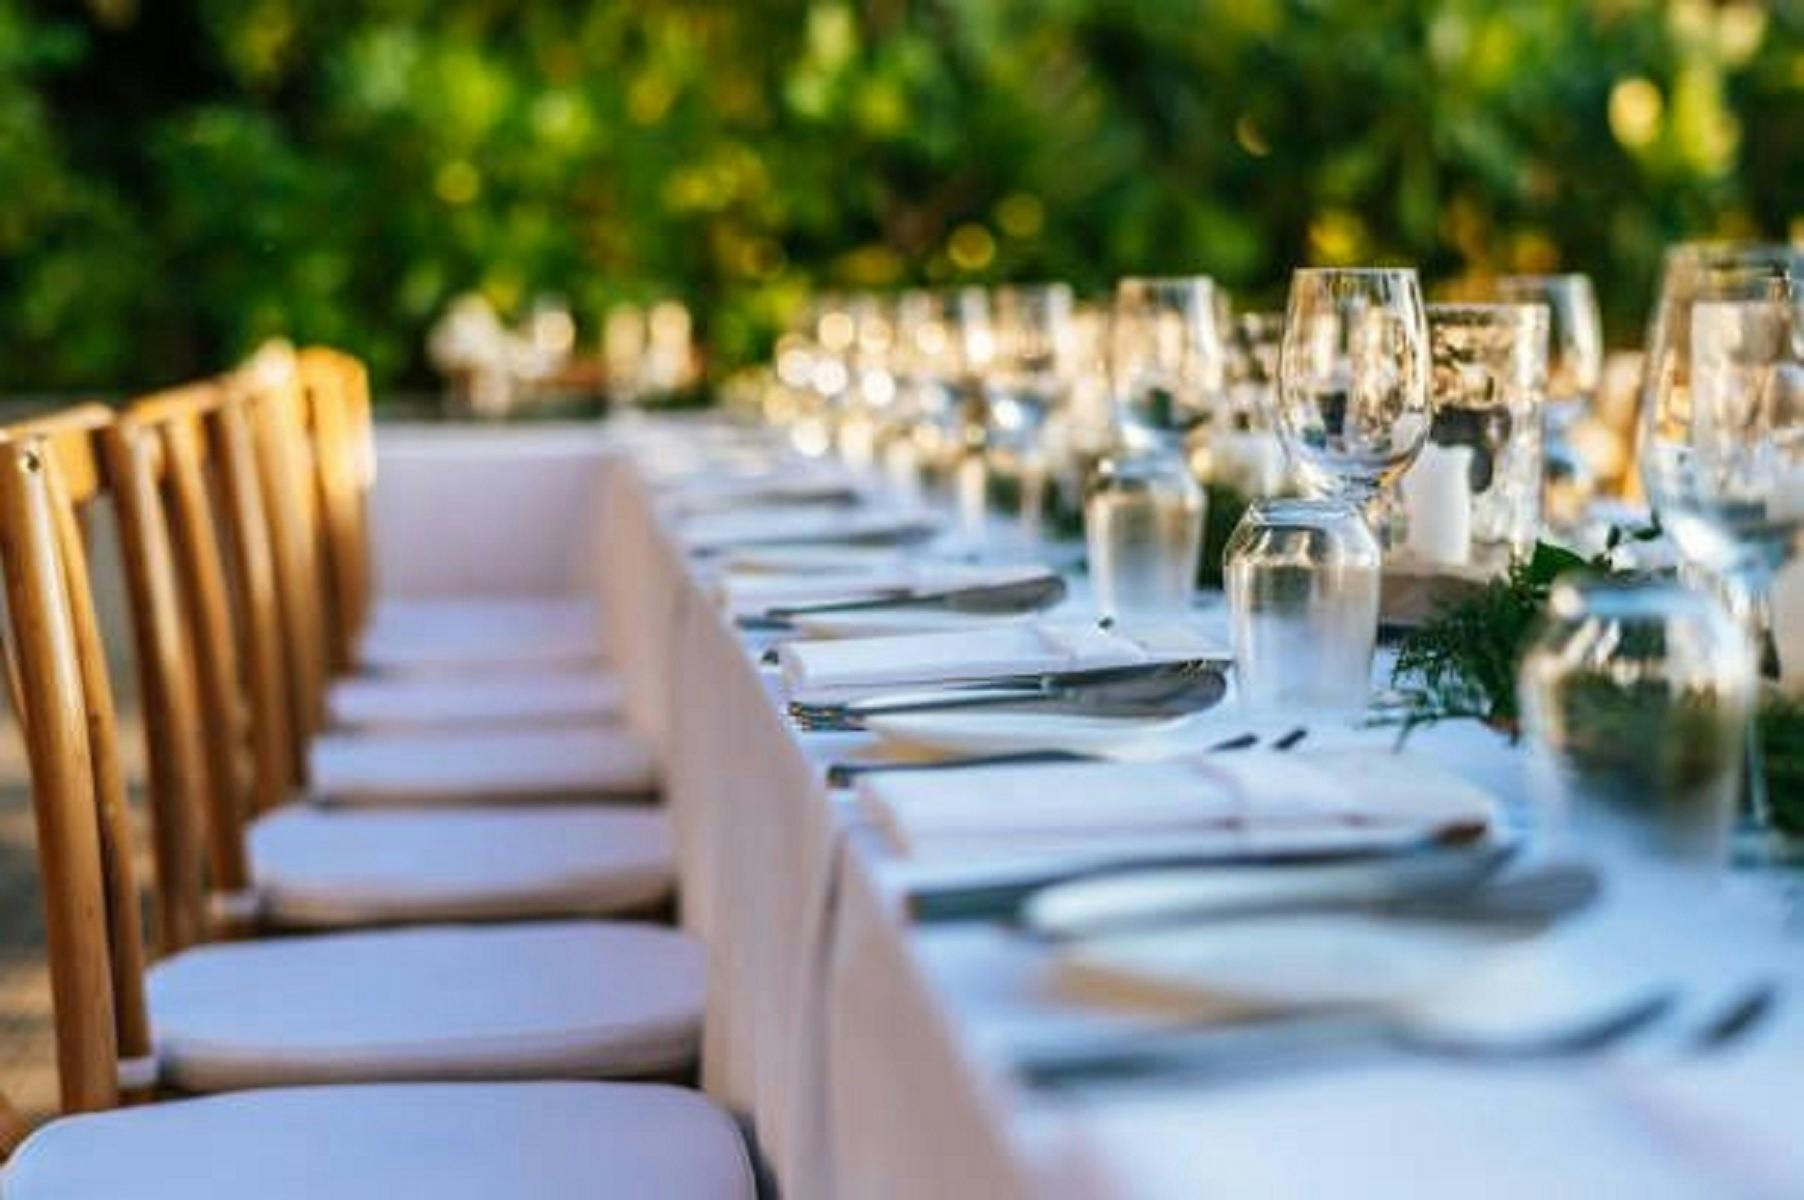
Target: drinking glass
{"type": "Point", "coordinates": [1722, 451]}
{"type": "Point", "coordinates": [1636, 697]}
{"type": "Point", "coordinates": [871, 386]}
{"type": "Point", "coordinates": [1024, 383]}
{"type": "Point", "coordinates": [1167, 351]}
{"type": "Point", "coordinates": [1473, 495]}
{"type": "Point", "coordinates": [1032, 334]}
{"type": "Point", "coordinates": [972, 351]}
{"type": "Point", "coordinates": [1302, 580]}
{"type": "Point", "coordinates": [1353, 402]}
{"type": "Point", "coordinates": [1143, 526]}
{"type": "Point", "coordinates": [1575, 360]}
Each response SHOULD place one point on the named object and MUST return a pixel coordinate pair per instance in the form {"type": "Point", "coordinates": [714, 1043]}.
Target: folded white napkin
{"type": "Point", "coordinates": [717, 495]}
{"type": "Point", "coordinates": [769, 526]}
{"type": "Point", "coordinates": [1253, 802]}
{"type": "Point", "coordinates": [741, 593]}
{"type": "Point", "coordinates": [823, 671]}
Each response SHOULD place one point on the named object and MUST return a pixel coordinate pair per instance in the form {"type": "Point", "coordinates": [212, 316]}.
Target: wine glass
{"type": "Point", "coordinates": [1722, 449]}
{"type": "Point", "coordinates": [1167, 352]}
{"type": "Point", "coordinates": [1575, 360]}
{"type": "Point", "coordinates": [1031, 332]}
{"type": "Point", "coordinates": [1353, 399]}
{"type": "Point", "coordinates": [871, 387]}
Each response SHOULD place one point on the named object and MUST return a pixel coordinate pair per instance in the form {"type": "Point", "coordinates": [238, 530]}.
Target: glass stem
{"type": "Point", "coordinates": [1744, 602]}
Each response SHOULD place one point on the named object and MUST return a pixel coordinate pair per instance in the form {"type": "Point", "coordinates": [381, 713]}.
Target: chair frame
{"type": "Point", "coordinates": [64, 700]}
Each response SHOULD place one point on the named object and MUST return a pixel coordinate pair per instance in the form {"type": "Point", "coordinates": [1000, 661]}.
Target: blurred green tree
{"type": "Point", "coordinates": [179, 180]}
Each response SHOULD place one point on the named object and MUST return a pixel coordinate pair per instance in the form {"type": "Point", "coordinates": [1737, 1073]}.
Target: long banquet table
{"type": "Point", "coordinates": [868, 1054]}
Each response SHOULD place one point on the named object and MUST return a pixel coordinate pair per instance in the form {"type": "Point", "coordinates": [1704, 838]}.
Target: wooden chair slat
{"type": "Point", "coordinates": [278, 744]}
{"type": "Point", "coordinates": [76, 904]}
{"type": "Point", "coordinates": [178, 764]}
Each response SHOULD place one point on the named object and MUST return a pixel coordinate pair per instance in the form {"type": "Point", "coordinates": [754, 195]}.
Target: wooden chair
{"type": "Point", "coordinates": [572, 999]}
{"type": "Point", "coordinates": [543, 638]}
{"type": "Point", "coordinates": [488, 761]}
{"type": "Point", "coordinates": [273, 860]}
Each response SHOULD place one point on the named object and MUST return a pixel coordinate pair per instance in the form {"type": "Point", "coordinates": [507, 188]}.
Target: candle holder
{"type": "Point", "coordinates": [1472, 498]}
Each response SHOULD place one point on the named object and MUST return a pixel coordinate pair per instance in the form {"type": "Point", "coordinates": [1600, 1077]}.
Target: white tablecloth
{"type": "Point", "coordinates": [866, 1054]}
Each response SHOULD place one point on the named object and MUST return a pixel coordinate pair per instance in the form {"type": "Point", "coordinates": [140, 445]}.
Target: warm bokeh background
{"type": "Point", "coordinates": [179, 178]}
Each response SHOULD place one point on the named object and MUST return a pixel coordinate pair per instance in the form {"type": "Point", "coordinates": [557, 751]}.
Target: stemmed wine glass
{"type": "Point", "coordinates": [1031, 348]}
{"type": "Point", "coordinates": [1722, 450]}
{"type": "Point", "coordinates": [1575, 360]}
{"type": "Point", "coordinates": [1353, 401]}
{"type": "Point", "coordinates": [1168, 354]}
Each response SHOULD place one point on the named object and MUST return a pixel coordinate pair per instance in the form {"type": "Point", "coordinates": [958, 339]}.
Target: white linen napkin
{"type": "Point", "coordinates": [742, 593]}
{"type": "Point", "coordinates": [719, 495]}
{"type": "Point", "coordinates": [823, 671]}
{"type": "Point", "coordinates": [1253, 802]}
{"type": "Point", "coordinates": [768, 526]}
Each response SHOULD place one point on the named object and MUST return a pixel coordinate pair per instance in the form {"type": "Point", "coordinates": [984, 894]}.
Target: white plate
{"type": "Point", "coordinates": [883, 622]}
{"type": "Point", "coordinates": [1272, 965]}
{"type": "Point", "coordinates": [969, 731]}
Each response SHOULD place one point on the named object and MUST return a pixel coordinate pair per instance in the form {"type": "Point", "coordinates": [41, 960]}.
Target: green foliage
{"type": "Point", "coordinates": [179, 179]}
{"type": "Point", "coordinates": [1463, 662]}
{"type": "Point", "coordinates": [1781, 724]}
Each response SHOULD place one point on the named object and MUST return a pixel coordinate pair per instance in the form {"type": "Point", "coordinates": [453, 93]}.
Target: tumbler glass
{"type": "Point", "coordinates": [1302, 580]}
{"type": "Point", "coordinates": [1636, 697]}
{"type": "Point", "coordinates": [1143, 522]}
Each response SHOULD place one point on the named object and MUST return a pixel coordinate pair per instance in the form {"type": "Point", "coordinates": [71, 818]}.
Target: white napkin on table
{"type": "Point", "coordinates": [741, 593]}
{"type": "Point", "coordinates": [719, 495]}
{"type": "Point", "coordinates": [1252, 801]}
{"type": "Point", "coordinates": [823, 671]}
{"type": "Point", "coordinates": [764, 526]}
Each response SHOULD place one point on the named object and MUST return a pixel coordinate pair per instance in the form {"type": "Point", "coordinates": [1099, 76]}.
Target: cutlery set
{"type": "Point", "coordinates": [1140, 691]}
{"type": "Point", "coordinates": [1014, 598]}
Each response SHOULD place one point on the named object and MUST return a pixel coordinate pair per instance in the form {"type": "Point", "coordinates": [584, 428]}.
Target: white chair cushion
{"type": "Point", "coordinates": [564, 999]}
{"type": "Point", "coordinates": [365, 867]}
{"type": "Point", "coordinates": [454, 634]}
{"type": "Point", "coordinates": [487, 766]}
{"type": "Point", "coordinates": [546, 1141]}
{"type": "Point", "coordinates": [503, 697]}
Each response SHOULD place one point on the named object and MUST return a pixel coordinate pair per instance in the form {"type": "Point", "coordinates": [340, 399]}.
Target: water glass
{"type": "Point", "coordinates": [1143, 523]}
{"type": "Point", "coordinates": [1636, 696]}
{"type": "Point", "coordinates": [1303, 580]}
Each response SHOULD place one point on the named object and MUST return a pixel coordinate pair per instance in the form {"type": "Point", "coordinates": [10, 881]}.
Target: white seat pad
{"type": "Point", "coordinates": [452, 634]}
{"type": "Point", "coordinates": [352, 867]}
{"type": "Point", "coordinates": [487, 766]}
{"type": "Point", "coordinates": [556, 999]}
{"type": "Point", "coordinates": [547, 1141]}
{"type": "Point", "coordinates": [506, 696]}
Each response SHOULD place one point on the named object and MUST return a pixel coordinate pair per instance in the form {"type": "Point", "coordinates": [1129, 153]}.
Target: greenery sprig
{"type": "Point", "coordinates": [1463, 662]}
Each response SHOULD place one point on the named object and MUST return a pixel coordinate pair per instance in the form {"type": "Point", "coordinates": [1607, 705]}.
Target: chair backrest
{"type": "Point", "coordinates": [335, 388]}
{"type": "Point", "coordinates": [50, 470]}
{"type": "Point", "coordinates": [191, 448]}
{"type": "Point", "coordinates": [261, 618]}
{"type": "Point", "coordinates": [274, 410]}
